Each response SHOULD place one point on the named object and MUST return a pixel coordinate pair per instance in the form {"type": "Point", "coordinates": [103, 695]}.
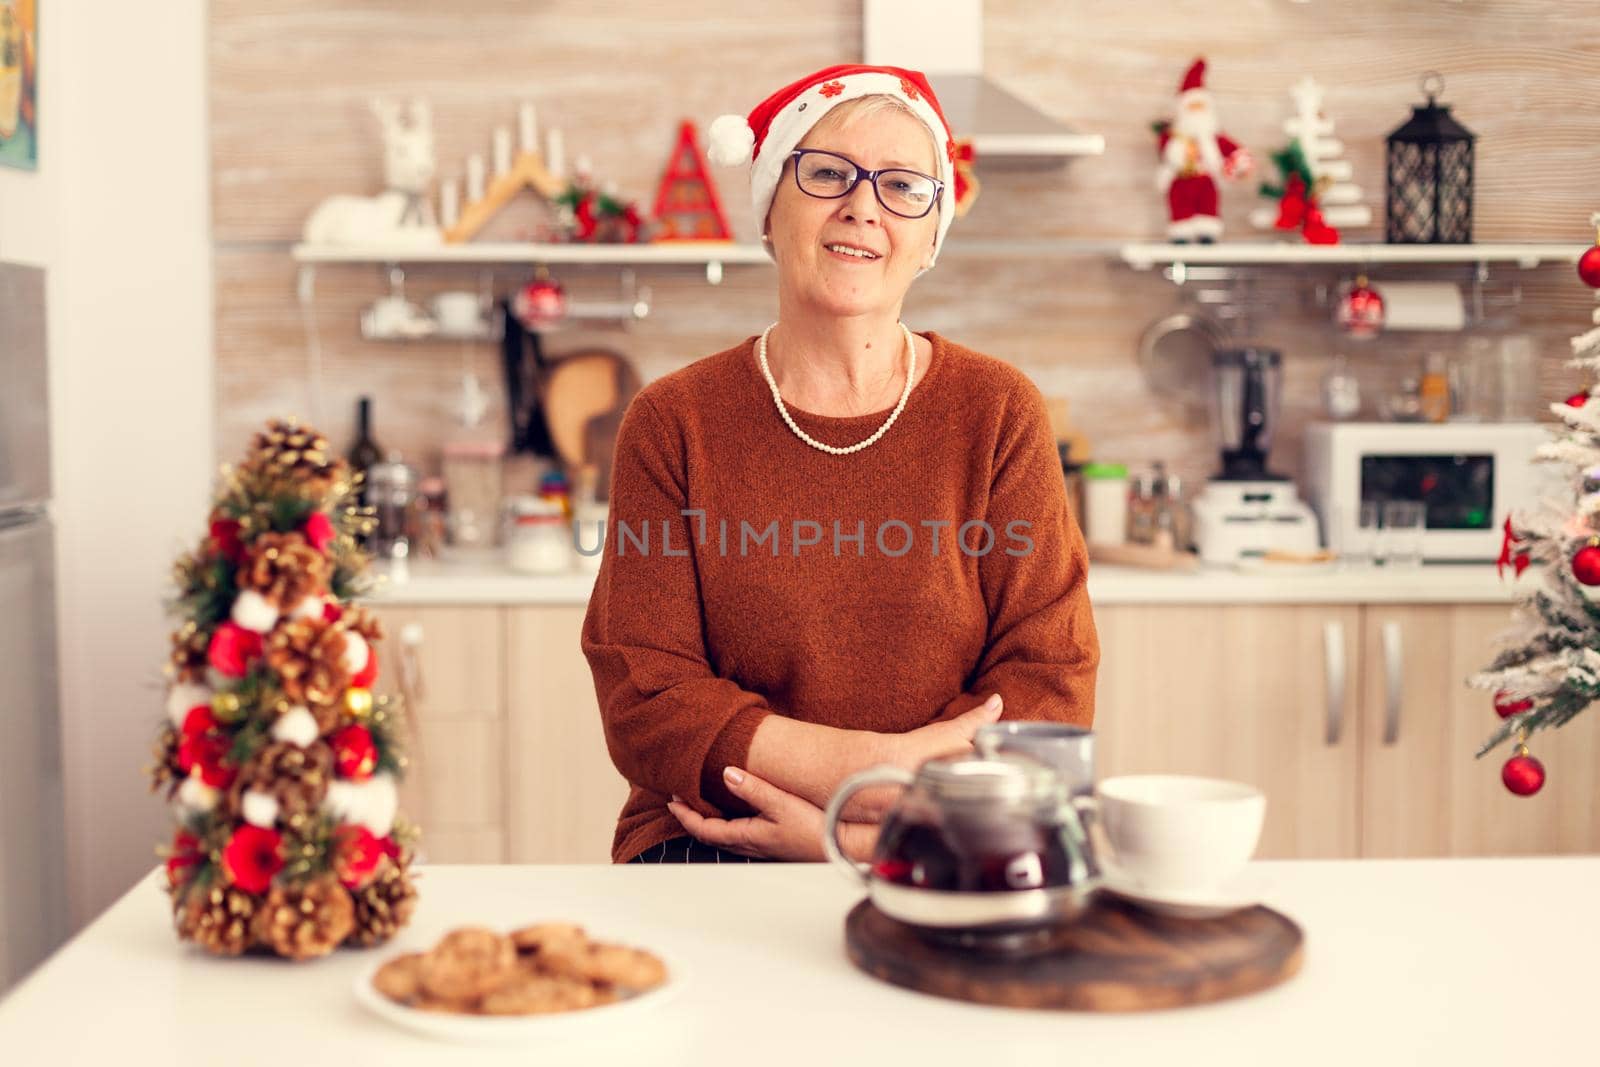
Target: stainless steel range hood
{"type": "Point", "coordinates": [944, 40]}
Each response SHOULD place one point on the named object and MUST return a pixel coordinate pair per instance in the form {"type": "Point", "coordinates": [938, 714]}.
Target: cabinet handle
{"type": "Point", "coordinates": [410, 662]}
{"type": "Point", "coordinates": [1333, 671]}
{"type": "Point", "coordinates": [1394, 667]}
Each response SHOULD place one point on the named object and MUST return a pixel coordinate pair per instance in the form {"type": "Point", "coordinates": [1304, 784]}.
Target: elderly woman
{"type": "Point", "coordinates": [839, 543]}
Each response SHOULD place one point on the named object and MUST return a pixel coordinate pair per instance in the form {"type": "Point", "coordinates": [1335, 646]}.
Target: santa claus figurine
{"type": "Point", "coordinates": [1193, 156]}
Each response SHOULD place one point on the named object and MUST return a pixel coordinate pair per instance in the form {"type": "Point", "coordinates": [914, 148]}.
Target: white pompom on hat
{"type": "Point", "coordinates": [767, 136]}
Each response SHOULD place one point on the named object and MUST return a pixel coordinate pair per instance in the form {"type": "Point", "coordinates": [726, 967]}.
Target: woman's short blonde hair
{"type": "Point", "coordinates": [876, 103]}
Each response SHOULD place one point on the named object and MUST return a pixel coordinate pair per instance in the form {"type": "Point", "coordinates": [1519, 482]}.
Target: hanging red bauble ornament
{"type": "Point", "coordinates": [1523, 774]}
{"type": "Point", "coordinates": [539, 303]}
{"type": "Point", "coordinates": [1586, 563]}
{"type": "Point", "coordinates": [354, 754]}
{"type": "Point", "coordinates": [1505, 706]}
{"type": "Point", "coordinates": [319, 531]}
{"type": "Point", "coordinates": [1360, 311]}
{"type": "Point", "coordinates": [1577, 400]}
{"type": "Point", "coordinates": [1589, 267]}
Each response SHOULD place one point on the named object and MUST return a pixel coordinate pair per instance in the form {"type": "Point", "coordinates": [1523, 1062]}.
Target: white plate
{"type": "Point", "coordinates": [496, 1029]}
{"type": "Point", "coordinates": [1243, 891]}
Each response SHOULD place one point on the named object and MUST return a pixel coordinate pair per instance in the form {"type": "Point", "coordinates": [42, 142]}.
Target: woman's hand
{"type": "Point", "coordinates": [785, 827]}
{"type": "Point", "coordinates": [950, 737]}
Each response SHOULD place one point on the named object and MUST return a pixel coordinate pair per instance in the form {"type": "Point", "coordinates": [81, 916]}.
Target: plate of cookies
{"type": "Point", "coordinates": [478, 984]}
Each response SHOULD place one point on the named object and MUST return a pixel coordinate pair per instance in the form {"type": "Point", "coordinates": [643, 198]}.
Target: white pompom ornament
{"type": "Point", "coordinates": [310, 607]}
{"type": "Point", "coordinates": [372, 803]}
{"type": "Point", "coordinates": [297, 726]}
{"type": "Point", "coordinates": [182, 697]}
{"type": "Point", "coordinates": [195, 795]}
{"type": "Point", "coordinates": [259, 808]}
{"type": "Point", "coordinates": [254, 612]}
{"type": "Point", "coordinates": [355, 655]}
{"type": "Point", "coordinates": [729, 141]}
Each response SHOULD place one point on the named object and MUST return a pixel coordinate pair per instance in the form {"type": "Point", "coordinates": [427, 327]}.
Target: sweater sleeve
{"type": "Point", "coordinates": [671, 724]}
{"type": "Point", "coordinates": [1041, 652]}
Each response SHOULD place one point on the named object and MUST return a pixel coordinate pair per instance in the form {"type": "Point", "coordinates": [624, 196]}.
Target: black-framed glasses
{"type": "Point", "coordinates": [828, 176]}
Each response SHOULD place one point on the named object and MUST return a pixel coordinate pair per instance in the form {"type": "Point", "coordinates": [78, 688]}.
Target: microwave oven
{"type": "Point", "coordinates": [1468, 475]}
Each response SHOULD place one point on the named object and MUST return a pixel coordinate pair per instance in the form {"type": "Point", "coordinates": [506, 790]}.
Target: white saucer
{"type": "Point", "coordinates": [1238, 893]}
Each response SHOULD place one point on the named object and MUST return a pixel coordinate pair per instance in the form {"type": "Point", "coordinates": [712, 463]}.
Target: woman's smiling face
{"type": "Point", "coordinates": [802, 227]}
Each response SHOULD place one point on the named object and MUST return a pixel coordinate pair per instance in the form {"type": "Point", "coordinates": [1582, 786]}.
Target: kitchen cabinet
{"type": "Point", "coordinates": [456, 718]}
{"type": "Point", "coordinates": [1423, 793]}
{"type": "Point", "coordinates": [1254, 693]}
{"type": "Point", "coordinates": [563, 793]}
{"type": "Point", "coordinates": [1355, 720]}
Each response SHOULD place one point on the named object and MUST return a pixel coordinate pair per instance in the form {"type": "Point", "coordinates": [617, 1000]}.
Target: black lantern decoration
{"type": "Point", "coordinates": [1429, 179]}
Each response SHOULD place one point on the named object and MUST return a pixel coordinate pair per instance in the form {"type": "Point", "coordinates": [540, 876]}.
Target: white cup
{"type": "Point", "coordinates": [457, 312]}
{"type": "Point", "coordinates": [1173, 833]}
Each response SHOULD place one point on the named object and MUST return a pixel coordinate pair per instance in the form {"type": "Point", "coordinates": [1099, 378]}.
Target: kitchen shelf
{"type": "Point", "coordinates": [712, 254]}
{"type": "Point", "coordinates": [1144, 256]}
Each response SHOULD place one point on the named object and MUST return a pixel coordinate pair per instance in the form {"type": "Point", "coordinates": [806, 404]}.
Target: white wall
{"type": "Point", "coordinates": [119, 215]}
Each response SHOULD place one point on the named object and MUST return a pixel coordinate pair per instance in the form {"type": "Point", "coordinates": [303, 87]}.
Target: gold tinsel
{"type": "Point", "coordinates": [308, 655]}
{"type": "Point", "coordinates": [306, 921]}
{"type": "Point", "coordinates": [217, 919]}
{"type": "Point", "coordinates": [296, 777]}
{"type": "Point", "coordinates": [384, 906]}
{"type": "Point", "coordinates": [287, 453]}
{"type": "Point", "coordinates": [284, 568]}
{"type": "Point", "coordinates": [188, 661]}
{"type": "Point", "coordinates": [363, 622]}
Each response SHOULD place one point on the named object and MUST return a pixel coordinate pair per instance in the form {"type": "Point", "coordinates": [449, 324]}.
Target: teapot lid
{"type": "Point", "coordinates": [1001, 778]}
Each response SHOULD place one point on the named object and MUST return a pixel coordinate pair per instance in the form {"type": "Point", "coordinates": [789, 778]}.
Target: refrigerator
{"type": "Point", "coordinates": [33, 913]}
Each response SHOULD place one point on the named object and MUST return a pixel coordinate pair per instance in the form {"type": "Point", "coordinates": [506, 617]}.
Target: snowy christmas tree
{"type": "Point", "coordinates": [1549, 669]}
{"type": "Point", "coordinates": [1314, 160]}
{"type": "Point", "coordinates": [280, 765]}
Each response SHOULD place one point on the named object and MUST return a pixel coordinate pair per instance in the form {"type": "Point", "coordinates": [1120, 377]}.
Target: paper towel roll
{"type": "Point", "coordinates": [1422, 306]}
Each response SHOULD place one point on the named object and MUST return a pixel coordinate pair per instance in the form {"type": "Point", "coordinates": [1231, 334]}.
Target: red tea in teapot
{"type": "Point", "coordinates": [980, 854]}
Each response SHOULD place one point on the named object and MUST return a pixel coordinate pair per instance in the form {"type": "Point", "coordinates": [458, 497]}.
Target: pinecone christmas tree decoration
{"type": "Point", "coordinates": [288, 453]}
{"type": "Point", "coordinates": [217, 919]}
{"type": "Point", "coordinates": [295, 778]}
{"type": "Point", "coordinates": [165, 773]}
{"type": "Point", "coordinates": [305, 922]}
{"type": "Point", "coordinates": [279, 829]}
{"type": "Point", "coordinates": [188, 660]}
{"type": "Point", "coordinates": [285, 569]}
{"type": "Point", "coordinates": [308, 656]}
{"type": "Point", "coordinates": [383, 907]}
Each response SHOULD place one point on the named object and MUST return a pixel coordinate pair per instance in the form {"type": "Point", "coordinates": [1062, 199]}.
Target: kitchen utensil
{"type": "Point", "coordinates": [391, 490]}
{"type": "Point", "coordinates": [578, 387]}
{"type": "Point", "coordinates": [522, 358]}
{"type": "Point", "coordinates": [458, 313]}
{"type": "Point", "coordinates": [1248, 382]}
{"type": "Point", "coordinates": [1115, 957]}
{"type": "Point", "coordinates": [973, 844]}
{"type": "Point", "coordinates": [1175, 355]}
{"type": "Point", "coordinates": [1105, 492]}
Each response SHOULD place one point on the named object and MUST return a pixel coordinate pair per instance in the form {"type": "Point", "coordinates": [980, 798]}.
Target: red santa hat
{"type": "Point", "coordinates": [1194, 78]}
{"type": "Point", "coordinates": [779, 123]}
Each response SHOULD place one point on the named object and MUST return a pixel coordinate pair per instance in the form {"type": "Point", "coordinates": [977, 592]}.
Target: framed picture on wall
{"type": "Point", "coordinates": [19, 80]}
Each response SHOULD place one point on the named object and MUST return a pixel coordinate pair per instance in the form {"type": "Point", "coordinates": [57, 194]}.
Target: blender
{"type": "Point", "coordinates": [1246, 511]}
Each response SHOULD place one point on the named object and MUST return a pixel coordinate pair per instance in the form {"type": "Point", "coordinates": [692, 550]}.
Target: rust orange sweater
{"type": "Point", "coordinates": [827, 588]}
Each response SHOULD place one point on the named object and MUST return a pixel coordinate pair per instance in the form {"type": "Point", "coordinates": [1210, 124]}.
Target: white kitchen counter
{"type": "Point", "coordinates": [441, 583]}
{"type": "Point", "coordinates": [1458, 962]}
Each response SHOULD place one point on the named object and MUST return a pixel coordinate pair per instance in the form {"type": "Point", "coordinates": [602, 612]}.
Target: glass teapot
{"type": "Point", "coordinates": [974, 842]}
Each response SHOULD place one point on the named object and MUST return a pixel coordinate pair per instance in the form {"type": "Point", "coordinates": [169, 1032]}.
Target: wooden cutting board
{"type": "Point", "coordinates": [1115, 958]}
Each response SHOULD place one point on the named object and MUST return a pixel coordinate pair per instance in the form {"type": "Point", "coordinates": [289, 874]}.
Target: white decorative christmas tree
{"type": "Point", "coordinates": [1549, 669]}
{"type": "Point", "coordinates": [1338, 197]}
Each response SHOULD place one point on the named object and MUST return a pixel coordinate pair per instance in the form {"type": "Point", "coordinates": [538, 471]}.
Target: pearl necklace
{"type": "Point", "coordinates": [911, 373]}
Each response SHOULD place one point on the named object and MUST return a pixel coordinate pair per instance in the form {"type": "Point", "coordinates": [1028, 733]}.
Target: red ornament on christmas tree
{"type": "Point", "coordinates": [1577, 400]}
{"type": "Point", "coordinates": [252, 856]}
{"type": "Point", "coordinates": [358, 853]}
{"type": "Point", "coordinates": [1505, 706]}
{"type": "Point", "coordinates": [1523, 774]}
{"type": "Point", "coordinates": [1586, 564]}
{"type": "Point", "coordinates": [1589, 267]}
{"type": "Point", "coordinates": [355, 756]}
